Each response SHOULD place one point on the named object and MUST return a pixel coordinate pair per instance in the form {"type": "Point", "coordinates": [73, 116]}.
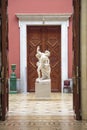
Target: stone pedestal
{"type": "Point", "coordinates": [43, 88]}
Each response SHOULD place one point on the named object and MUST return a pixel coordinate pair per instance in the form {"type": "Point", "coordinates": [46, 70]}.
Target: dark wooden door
{"type": "Point", "coordinates": [48, 38]}
{"type": "Point", "coordinates": [3, 61]}
{"type": "Point", "coordinates": [76, 60]}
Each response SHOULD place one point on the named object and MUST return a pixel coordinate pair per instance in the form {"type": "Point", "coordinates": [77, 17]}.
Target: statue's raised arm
{"type": "Point", "coordinates": [38, 54]}
{"type": "Point", "coordinates": [38, 48]}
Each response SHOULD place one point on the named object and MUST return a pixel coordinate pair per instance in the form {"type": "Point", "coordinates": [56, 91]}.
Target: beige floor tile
{"type": "Point", "coordinates": [28, 104]}
{"type": "Point", "coordinates": [28, 113]}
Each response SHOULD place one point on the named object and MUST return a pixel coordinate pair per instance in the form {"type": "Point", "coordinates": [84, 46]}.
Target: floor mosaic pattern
{"type": "Point", "coordinates": [28, 113]}
{"type": "Point", "coordinates": [42, 123]}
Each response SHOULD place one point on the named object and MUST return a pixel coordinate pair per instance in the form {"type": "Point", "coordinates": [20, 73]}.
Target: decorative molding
{"type": "Point", "coordinates": [43, 17]}
{"type": "Point", "coordinates": [41, 20]}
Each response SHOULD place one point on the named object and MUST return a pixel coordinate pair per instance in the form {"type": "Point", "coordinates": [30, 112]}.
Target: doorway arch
{"type": "Point", "coordinates": [42, 20]}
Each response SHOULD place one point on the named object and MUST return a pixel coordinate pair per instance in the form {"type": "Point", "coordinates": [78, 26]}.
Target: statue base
{"type": "Point", "coordinates": [43, 88]}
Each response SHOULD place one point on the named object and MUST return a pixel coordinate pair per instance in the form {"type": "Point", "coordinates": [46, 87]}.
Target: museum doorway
{"type": "Point", "coordinates": [76, 59]}
{"type": "Point", "coordinates": [48, 38]}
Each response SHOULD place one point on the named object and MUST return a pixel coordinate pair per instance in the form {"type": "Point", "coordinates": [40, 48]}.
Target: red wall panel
{"type": "Point", "coordinates": [33, 6]}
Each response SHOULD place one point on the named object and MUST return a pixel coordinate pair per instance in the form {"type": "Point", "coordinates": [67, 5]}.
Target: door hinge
{"type": "Point", "coordinates": [2, 80]}
{"type": "Point", "coordinates": [2, 74]}
{"type": "Point", "coordinates": [77, 78]}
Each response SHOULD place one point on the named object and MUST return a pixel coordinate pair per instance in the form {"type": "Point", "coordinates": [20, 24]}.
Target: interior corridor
{"type": "Point", "coordinates": [26, 112]}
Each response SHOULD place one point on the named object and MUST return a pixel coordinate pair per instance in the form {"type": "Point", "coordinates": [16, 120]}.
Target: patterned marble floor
{"type": "Point", "coordinates": [28, 113]}
{"type": "Point", "coordinates": [28, 104]}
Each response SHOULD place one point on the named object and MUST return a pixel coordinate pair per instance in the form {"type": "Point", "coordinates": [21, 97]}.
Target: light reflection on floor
{"type": "Point", "coordinates": [28, 113]}
{"type": "Point", "coordinates": [28, 104]}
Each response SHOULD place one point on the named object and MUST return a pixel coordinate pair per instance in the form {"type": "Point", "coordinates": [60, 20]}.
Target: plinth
{"type": "Point", "coordinates": [43, 88]}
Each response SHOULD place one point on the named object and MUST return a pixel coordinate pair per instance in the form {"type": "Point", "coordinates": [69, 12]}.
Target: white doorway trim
{"type": "Point", "coordinates": [42, 20]}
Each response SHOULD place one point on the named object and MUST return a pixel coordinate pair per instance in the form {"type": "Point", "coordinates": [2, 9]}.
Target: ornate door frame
{"type": "Point", "coordinates": [77, 59]}
{"type": "Point", "coordinates": [43, 20]}
{"type": "Point", "coordinates": [4, 106]}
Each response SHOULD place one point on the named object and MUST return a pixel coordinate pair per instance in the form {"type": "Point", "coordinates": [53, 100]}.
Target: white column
{"type": "Point", "coordinates": [64, 52]}
{"type": "Point", "coordinates": [23, 58]}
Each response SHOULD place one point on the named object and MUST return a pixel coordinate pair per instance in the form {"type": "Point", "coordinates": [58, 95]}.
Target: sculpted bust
{"type": "Point", "coordinates": [43, 64]}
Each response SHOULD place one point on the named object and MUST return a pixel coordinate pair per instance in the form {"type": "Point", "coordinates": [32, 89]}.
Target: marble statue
{"type": "Point", "coordinates": [43, 64]}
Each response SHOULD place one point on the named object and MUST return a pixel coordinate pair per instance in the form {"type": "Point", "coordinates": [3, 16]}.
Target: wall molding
{"type": "Point", "coordinates": [43, 17]}
{"type": "Point", "coordinates": [43, 20]}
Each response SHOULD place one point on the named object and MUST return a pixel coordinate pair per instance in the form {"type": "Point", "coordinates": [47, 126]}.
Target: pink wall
{"type": "Point", "coordinates": [31, 6]}
{"type": "Point", "coordinates": [40, 6]}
